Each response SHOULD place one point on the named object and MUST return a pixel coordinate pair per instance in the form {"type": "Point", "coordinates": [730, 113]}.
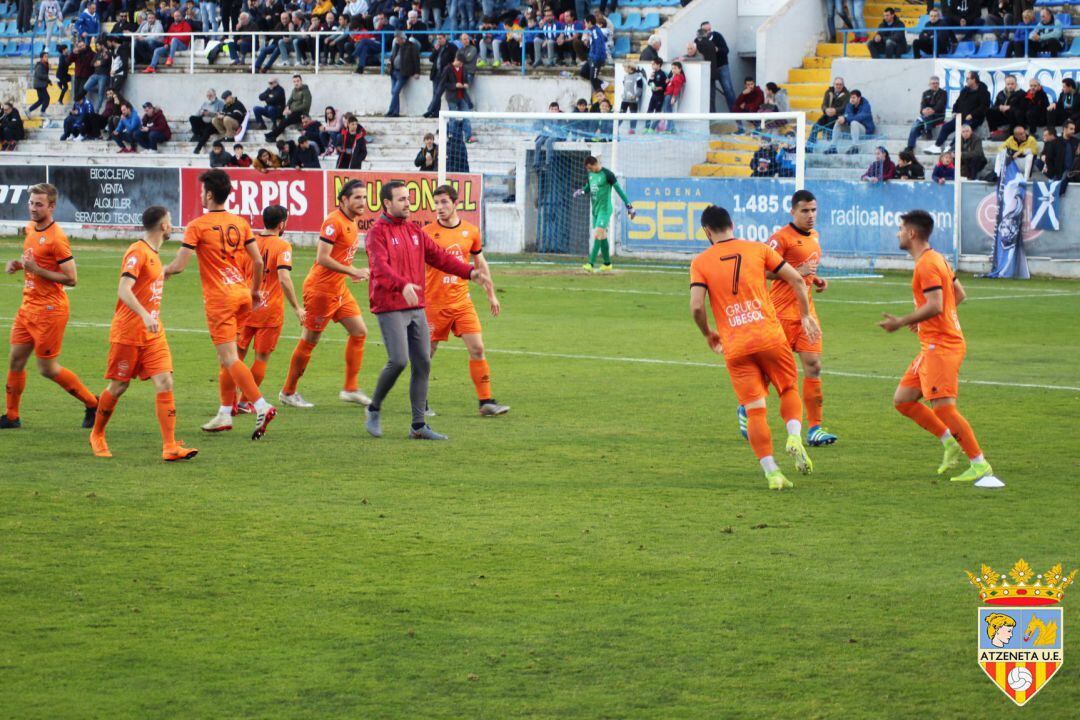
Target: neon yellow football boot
{"type": "Point", "coordinates": [777, 481]}
{"type": "Point", "coordinates": [953, 456]}
{"type": "Point", "coordinates": [796, 450]}
{"type": "Point", "coordinates": [976, 471]}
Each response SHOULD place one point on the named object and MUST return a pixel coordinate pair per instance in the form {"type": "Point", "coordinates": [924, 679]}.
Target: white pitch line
{"type": "Point", "coordinates": [622, 359]}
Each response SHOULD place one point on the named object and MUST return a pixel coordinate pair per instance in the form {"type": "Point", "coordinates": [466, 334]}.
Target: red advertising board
{"type": "Point", "coordinates": [421, 186]}
{"type": "Point", "coordinates": [300, 191]}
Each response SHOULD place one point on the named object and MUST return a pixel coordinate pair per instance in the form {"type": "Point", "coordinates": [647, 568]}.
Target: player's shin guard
{"type": "Point", "coordinates": [811, 393]}
{"type": "Point", "coordinates": [106, 405]}
{"type": "Point", "coordinates": [757, 430]}
{"type": "Point", "coordinates": [923, 416]}
{"type": "Point", "coordinates": [354, 358]}
{"type": "Point", "coordinates": [960, 429]}
{"type": "Point", "coordinates": [242, 378]}
{"type": "Point", "coordinates": [481, 377]}
{"type": "Point", "coordinates": [16, 383]}
{"type": "Point", "coordinates": [297, 365]}
{"type": "Point", "coordinates": [605, 250]}
{"type": "Point", "coordinates": [790, 405]}
{"type": "Point", "coordinates": [70, 382]}
{"type": "Point", "coordinates": [258, 372]}
{"type": "Point", "coordinates": [226, 387]}
{"type": "Point", "coordinates": [166, 417]}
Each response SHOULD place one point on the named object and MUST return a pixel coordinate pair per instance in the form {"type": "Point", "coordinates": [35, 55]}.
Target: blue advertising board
{"type": "Point", "coordinates": [854, 218]}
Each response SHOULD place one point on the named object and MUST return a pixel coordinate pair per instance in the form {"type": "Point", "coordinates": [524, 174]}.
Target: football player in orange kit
{"type": "Point", "coordinates": [138, 347]}
{"type": "Point", "coordinates": [934, 374]}
{"type": "Point", "coordinates": [449, 307]}
{"type": "Point", "coordinates": [217, 238]}
{"type": "Point", "coordinates": [39, 324]}
{"type": "Point", "coordinates": [327, 299]}
{"type": "Point", "coordinates": [733, 275]}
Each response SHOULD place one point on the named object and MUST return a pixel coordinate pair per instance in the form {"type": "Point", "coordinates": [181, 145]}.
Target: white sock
{"type": "Point", "coordinates": [261, 405]}
{"type": "Point", "coordinates": [978, 459]}
{"type": "Point", "coordinates": [768, 464]}
{"type": "Point", "coordinates": [945, 437]}
{"type": "Point", "coordinates": [794, 427]}
{"type": "Point", "coordinates": [225, 411]}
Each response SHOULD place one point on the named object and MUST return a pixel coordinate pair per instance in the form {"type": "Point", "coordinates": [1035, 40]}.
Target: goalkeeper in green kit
{"type": "Point", "coordinates": [599, 185]}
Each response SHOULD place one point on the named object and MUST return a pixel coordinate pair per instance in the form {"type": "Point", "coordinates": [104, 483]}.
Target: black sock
{"type": "Point", "coordinates": [485, 401]}
{"type": "Point", "coordinates": [418, 426]}
{"type": "Point", "coordinates": [373, 407]}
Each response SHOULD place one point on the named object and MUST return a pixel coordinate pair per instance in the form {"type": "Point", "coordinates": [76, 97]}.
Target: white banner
{"type": "Point", "coordinates": [1048, 71]}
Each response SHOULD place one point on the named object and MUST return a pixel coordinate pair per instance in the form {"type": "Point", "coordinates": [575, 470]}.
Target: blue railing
{"type": "Point", "coordinates": [962, 30]}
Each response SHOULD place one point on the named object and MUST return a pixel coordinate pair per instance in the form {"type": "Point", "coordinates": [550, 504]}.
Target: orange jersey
{"type": "Point", "coordinates": [442, 290]}
{"type": "Point", "coordinates": [276, 255]}
{"type": "Point", "coordinates": [142, 264]}
{"type": "Point", "coordinates": [343, 236]}
{"type": "Point", "coordinates": [796, 247]}
{"type": "Point", "coordinates": [219, 239]}
{"type": "Point", "coordinates": [50, 249]}
{"type": "Point", "coordinates": [733, 272]}
{"type": "Point", "coordinates": [932, 272]}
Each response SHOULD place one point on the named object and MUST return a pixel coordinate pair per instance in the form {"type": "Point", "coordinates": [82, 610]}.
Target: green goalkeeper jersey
{"type": "Point", "coordinates": [598, 186]}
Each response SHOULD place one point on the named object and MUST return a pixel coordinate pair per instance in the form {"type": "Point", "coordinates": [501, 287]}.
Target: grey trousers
{"type": "Point", "coordinates": [407, 339]}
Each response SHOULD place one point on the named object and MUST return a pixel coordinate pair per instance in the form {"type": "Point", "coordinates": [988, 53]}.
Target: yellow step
{"type": "Point", "coordinates": [806, 103]}
{"type": "Point", "coordinates": [31, 123]}
{"type": "Point", "coordinates": [803, 75]}
{"type": "Point", "coordinates": [812, 116]}
{"type": "Point", "coordinates": [805, 90]}
{"type": "Point", "coordinates": [837, 50]}
{"type": "Point", "coordinates": [817, 63]}
{"type": "Point", "coordinates": [54, 95]}
{"type": "Point", "coordinates": [732, 171]}
{"type": "Point", "coordinates": [730, 157]}
{"type": "Point", "coordinates": [734, 143]}
{"type": "Point", "coordinates": [703, 170]}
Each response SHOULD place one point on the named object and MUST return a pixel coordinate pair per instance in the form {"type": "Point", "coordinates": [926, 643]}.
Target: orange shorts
{"type": "Point", "coordinates": [459, 319]}
{"type": "Point", "coordinates": [751, 374]}
{"type": "Point", "coordinates": [797, 339]}
{"type": "Point", "coordinates": [936, 372]}
{"type": "Point", "coordinates": [44, 330]}
{"type": "Point", "coordinates": [265, 338]}
{"type": "Point", "coordinates": [323, 309]}
{"type": "Point", "coordinates": [226, 315]}
{"type": "Point", "coordinates": [138, 361]}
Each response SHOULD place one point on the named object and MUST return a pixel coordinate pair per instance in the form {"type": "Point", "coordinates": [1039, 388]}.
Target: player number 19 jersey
{"type": "Point", "coordinates": [218, 238]}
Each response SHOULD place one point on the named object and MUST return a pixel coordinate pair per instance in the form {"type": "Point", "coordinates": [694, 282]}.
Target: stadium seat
{"type": "Point", "coordinates": [1074, 49]}
{"type": "Point", "coordinates": [988, 49]}
{"type": "Point", "coordinates": [633, 22]}
{"type": "Point", "coordinates": [923, 19]}
{"type": "Point", "coordinates": [616, 21]}
{"type": "Point", "coordinates": [1064, 18]}
{"type": "Point", "coordinates": [650, 21]}
{"type": "Point", "coordinates": [622, 46]}
{"type": "Point", "coordinates": [965, 49]}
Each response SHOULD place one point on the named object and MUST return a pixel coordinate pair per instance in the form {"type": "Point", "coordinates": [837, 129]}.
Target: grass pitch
{"type": "Point", "coordinates": [608, 550]}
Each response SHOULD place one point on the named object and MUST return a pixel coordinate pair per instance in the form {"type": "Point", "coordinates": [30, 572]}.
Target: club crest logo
{"type": "Point", "coordinates": [1021, 627]}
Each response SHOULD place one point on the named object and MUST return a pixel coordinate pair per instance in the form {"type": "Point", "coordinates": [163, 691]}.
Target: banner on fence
{"type": "Point", "coordinates": [854, 218]}
{"type": "Point", "coordinates": [1008, 259]}
{"type": "Point", "coordinates": [1048, 71]}
{"type": "Point", "coordinates": [112, 196]}
{"type": "Point", "coordinates": [470, 190]}
{"type": "Point", "coordinates": [300, 191]}
{"type": "Point", "coordinates": [15, 180]}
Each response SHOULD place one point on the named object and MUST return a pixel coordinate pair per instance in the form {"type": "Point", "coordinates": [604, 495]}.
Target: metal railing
{"type": "Point", "coordinates": [990, 29]}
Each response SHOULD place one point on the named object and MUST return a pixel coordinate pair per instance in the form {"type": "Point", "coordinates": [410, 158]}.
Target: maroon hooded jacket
{"type": "Point", "coordinates": [399, 252]}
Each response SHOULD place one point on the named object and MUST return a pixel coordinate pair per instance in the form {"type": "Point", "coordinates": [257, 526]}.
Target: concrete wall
{"type": "Point", "coordinates": [695, 96]}
{"type": "Point", "coordinates": [682, 27]}
{"type": "Point", "coordinates": [787, 37]}
{"type": "Point", "coordinates": [368, 94]}
{"type": "Point", "coordinates": [893, 87]}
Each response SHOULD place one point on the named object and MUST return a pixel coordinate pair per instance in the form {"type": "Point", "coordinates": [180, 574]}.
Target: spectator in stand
{"type": "Point", "coordinates": [63, 70]}
{"type": "Point", "coordinates": [11, 126]}
{"type": "Point", "coordinates": [240, 158]}
{"type": "Point", "coordinates": [179, 34]}
{"type": "Point", "coordinates": [1051, 161]}
{"type": "Point", "coordinates": [330, 138]}
{"type": "Point", "coordinates": [657, 88]}
{"type": "Point", "coordinates": [490, 44]}
{"type": "Point", "coordinates": [1019, 46]}
{"type": "Point", "coordinates": [41, 83]}
{"type": "Point", "coordinates": [202, 122]}
{"type": "Point", "coordinates": [88, 25]}
{"type": "Point", "coordinates": [367, 44]}
{"type": "Point", "coordinates": [271, 49]}
{"type": "Point", "coordinates": [965, 13]}
{"type": "Point", "coordinates": [749, 100]}
{"type": "Point", "coordinates": [1009, 109]}
{"type": "Point", "coordinates": [218, 157]}
{"type": "Point", "coordinates": [273, 99]}
{"type": "Point", "coordinates": [427, 160]}
{"type": "Point", "coordinates": [461, 14]}
{"type": "Point", "coordinates": [763, 161]}
{"type": "Point", "coordinates": [1037, 105]}
{"type": "Point", "coordinates": [404, 65]}
{"type": "Point", "coordinates": [299, 105]}
{"type": "Point", "coordinates": [833, 104]}
{"type": "Point", "coordinates": [83, 59]}
{"type": "Point", "coordinates": [228, 122]}
{"type": "Point", "coordinates": [857, 120]}
{"type": "Point", "coordinates": [546, 39]}
{"type": "Point", "coordinates": [651, 51]}
{"type": "Point", "coordinates": [49, 16]}
{"type": "Point", "coordinates": [124, 134]}
{"type": "Point", "coordinates": [150, 32]}
{"type": "Point", "coordinates": [99, 80]}
{"type": "Point", "coordinates": [972, 156]}
{"type": "Point", "coordinates": [1046, 38]}
{"type": "Point", "coordinates": [776, 99]}
{"type": "Point", "coordinates": [511, 47]}
{"type": "Point", "coordinates": [154, 128]}
{"type": "Point", "coordinates": [633, 91]}
{"type": "Point", "coordinates": [442, 55]}
{"type": "Point", "coordinates": [945, 170]}
{"type": "Point", "coordinates": [931, 112]}
{"type": "Point", "coordinates": [971, 105]}
{"type": "Point", "coordinates": [110, 116]}
{"type": "Point", "coordinates": [705, 51]}
{"type": "Point", "coordinates": [265, 161]}
{"type": "Point", "coordinates": [890, 40]}
{"type": "Point", "coordinates": [544, 144]}
{"type": "Point", "coordinates": [468, 54]}
{"type": "Point", "coordinates": [722, 70]}
{"type": "Point", "coordinates": [908, 167]}
{"type": "Point", "coordinates": [433, 12]}
{"type": "Point", "coordinates": [120, 63]}
{"type": "Point", "coordinates": [285, 150]}
{"type": "Point", "coordinates": [306, 155]}
{"type": "Point", "coordinates": [75, 124]}
{"type": "Point", "coordinates": [455, 80]}
{"type": "Point", "coordinates": [673, 92]}
{"type": "Point", "coordinates": [882, 169]}
{"type": "Point", "coordinates": [597, 54]}
{"type": "Point", "coordinates": [574, 29]}
{"type": "Point", "coordinates": [1059, 112]}
{"type": "Point", "coordinates": [353, 146]}
{"type": "Point", "coordinates": [312, 130]}
{"type": "Point", "coordinates": [924, 44]}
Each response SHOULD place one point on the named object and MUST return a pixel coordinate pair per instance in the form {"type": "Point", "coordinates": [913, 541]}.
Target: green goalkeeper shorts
{"type": "Point", "coordinates": [601, 221]}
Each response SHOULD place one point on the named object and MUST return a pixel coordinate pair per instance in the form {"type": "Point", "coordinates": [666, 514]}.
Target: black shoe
{"type": "Point", "coordinates": [853, 151]}
{"type": "Point", "coordinates": [88, 418]}
{"type": "Point", "coordinates": [830, 151]}
{"type": "Point", "coordinates": [7, 424]}
{"type": "Point", "coordinates": [199, 148]}
{"type": "Point", "coordinates": [269, 137]}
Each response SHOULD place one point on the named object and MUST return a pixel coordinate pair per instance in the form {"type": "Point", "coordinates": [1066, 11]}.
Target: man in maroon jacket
{"type": "Point", "coordinates": [399, 252]}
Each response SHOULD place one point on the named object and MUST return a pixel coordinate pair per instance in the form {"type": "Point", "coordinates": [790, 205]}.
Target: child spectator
{"type": "Point", "coordinates": [633, 90]}
{"type": "Point", "coordinates": [945, 170]}
{"type": "Point", "coordinates": [908, 167]}
{"type": "Point", "coordinates": [218, 157]}
{"type": "Point", "coordinates": [353, 146]}
{"type": "Point", "coordinates": [427, 160]}
{"type": "Point", "coordinates": [657, 87]}
{"type": "Point", "coordinates": [266, 161]}
{"type": "Point", "coordinates": [673, 92]}
{"type": "Point", "coordinates": [240, 158]}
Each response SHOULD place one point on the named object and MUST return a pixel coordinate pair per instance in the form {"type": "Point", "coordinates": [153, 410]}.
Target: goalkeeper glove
{"type": "Point", "coordinates": [578, 193]}
{"type": "Point", "coordinates": [631, 211]}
